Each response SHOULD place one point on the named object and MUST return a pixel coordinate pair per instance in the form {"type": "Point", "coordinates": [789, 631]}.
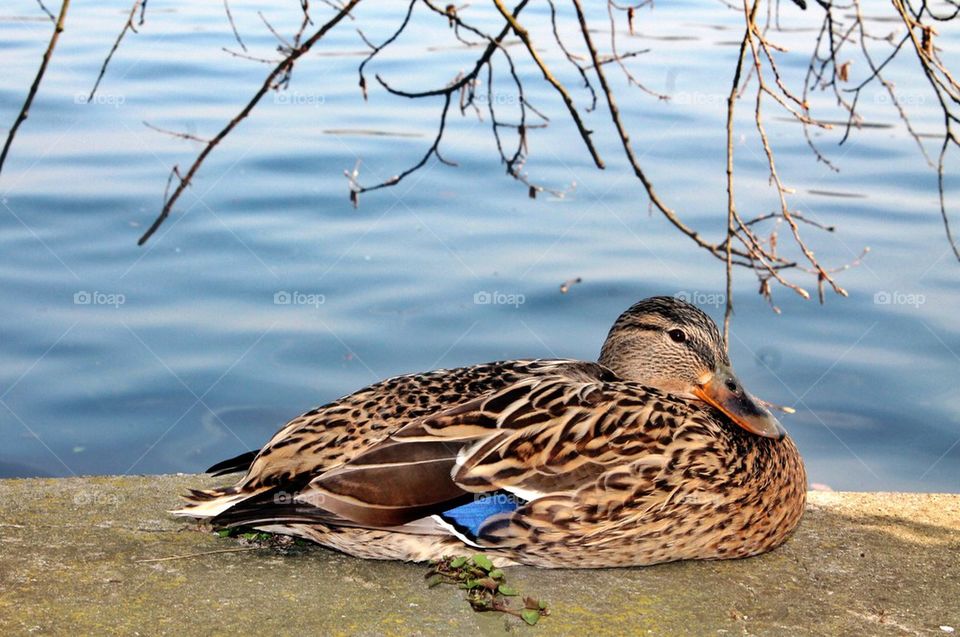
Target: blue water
{"type": "Point", "coordinates": [182, 357]}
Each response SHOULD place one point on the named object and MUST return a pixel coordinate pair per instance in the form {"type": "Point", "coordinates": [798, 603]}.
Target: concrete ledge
{"type": "Point", "coordinates": [860, 563]}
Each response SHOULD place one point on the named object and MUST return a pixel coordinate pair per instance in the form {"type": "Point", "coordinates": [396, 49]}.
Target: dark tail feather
{"type": "Point", "coordinates": [205, 496]}
{"type": "Point", "coordinates": [273, 507]}
{"type": "Point", "coordinates": [233, 465]}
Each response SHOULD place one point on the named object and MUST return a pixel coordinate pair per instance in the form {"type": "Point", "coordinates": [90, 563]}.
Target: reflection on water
{"type": "Point", "coordinates": [122, 359]}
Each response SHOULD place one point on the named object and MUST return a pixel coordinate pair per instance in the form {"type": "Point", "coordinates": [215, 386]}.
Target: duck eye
{"type": "Point", "coordinates": [678, 336]}
{"type": "Point", "coordinates": [732, 386]}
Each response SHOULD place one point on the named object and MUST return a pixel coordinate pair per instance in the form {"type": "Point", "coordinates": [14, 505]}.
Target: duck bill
{"type": "Point", "coordinates": [738, 405]}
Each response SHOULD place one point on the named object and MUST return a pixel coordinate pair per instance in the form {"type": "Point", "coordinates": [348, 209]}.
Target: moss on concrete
{"type": "Point", "coordinates": [70, 552]}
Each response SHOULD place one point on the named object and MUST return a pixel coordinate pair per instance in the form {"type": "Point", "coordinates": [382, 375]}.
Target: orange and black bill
{"type": "Point", "coordinates": [724, 391]}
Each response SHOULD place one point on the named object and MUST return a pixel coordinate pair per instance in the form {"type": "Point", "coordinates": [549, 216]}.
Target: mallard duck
{"type": "Point", "coordinates": [654, 453]}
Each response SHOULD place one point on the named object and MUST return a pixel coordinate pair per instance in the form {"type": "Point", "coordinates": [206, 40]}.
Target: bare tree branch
{"type": "Point", "coordinates": [750, 241]}
{"type": "Point", "coordinates": [548, 76]}
{"type": "Point", "coordinates": [280, 72]}
{"type": "Point", "coordinates": [128, 26]}
{"type": "Point", "coordinates": [465, 85]}
{"type": "Point", "coordinates": [25, 109]}
{"type": "Point", "coordinates": [233, 26]}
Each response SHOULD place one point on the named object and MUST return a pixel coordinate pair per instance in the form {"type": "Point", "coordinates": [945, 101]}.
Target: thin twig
{"type": "Point", "coordinates": [464, 85]}
{"type": "Point", "coordinates": [52, 17]}
{"type": "Point", "coordinates": [624, 137]}
{"type": "Point", "coordinates": [252, 58]}
{"type": "Point", "coordinates": [580, 69]}
{"type": "Point", "coordinates": [307, 21]}
{"type": "Point", "coordinates": [554, 82]}
{"type": "Point", "coordinates": [618, 58]}
{"type": "Point", "coordinates": [282, 69]}
{"type": "Point", "coordinates": [731, 200]}
{"type": "Point", "coordinates": [25, 109]}
{"type": "Point", "coordinates": [377, 49]}
{"type": "Point", "coordinates": [233, 26]}
{"type": "Point", "coordinates": [243, 549]}
{"type": "Point", "coordinates": [128, 26]}
{"type": "Point", "coordinates": [188, 136]}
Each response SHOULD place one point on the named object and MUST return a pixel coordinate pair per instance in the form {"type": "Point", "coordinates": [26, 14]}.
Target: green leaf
{"type": "Point", "coordinates": [508, 591]}
{"type": "Point", "coordinates": [223, 533]}
{"type": "Point", "coordinates": [530, 616]}
{"type": "Point", "coordinates": [250, 536]}
{"type": "Point", "coordinates": [458, 562]}
{"type": "Point", "coordinates": [483, 562]}
{"type": "Point", "coordinates": [496, 573]}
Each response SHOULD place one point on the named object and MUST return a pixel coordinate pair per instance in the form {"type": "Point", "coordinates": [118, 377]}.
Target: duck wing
{"type": "Point", "coordinates": [335, 434]}
{"type": "Point", "coordinates": [536, 437]}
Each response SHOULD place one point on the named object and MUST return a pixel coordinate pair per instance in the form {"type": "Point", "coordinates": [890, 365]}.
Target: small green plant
{"type": "Point", "coordinates": [486, 586]}
{"type": "Point", "coordinates": [258, 536]}
{"type": "Point", "coordinates": [252, 536]}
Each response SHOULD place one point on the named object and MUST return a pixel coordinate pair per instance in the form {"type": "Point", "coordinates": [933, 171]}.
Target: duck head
{"type": "Point", "coordinates": [668, 344]}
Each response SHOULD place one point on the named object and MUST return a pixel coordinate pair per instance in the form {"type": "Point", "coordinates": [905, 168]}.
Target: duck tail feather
{"type": "Point", "coordinates": [234, 465]}
{"type": "Point", "coordinates": [213, 502]}
{"type": "Point", "coordinates": [273, 509]}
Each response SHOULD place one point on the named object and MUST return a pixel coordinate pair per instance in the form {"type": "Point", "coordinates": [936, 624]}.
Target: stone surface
{"type": "Point", "coordinates": [72, 557]}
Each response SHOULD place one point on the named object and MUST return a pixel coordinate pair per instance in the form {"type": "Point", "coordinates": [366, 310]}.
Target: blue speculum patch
{"type": "Point", "coordinates": [468, 518]}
